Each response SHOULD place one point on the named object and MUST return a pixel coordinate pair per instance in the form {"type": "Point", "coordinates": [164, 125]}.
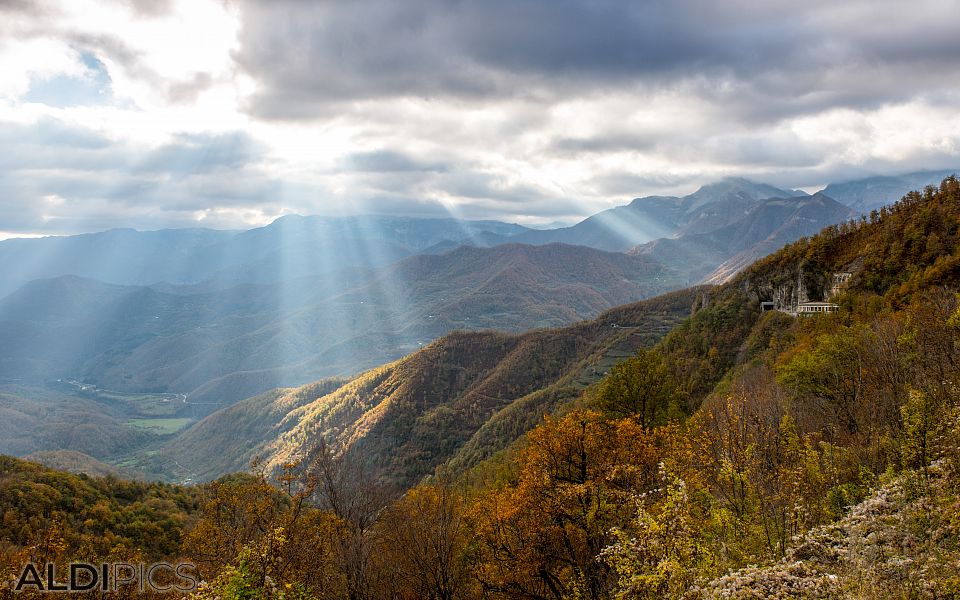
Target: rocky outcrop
{"type": "Point", "coordinates": [894, 544]}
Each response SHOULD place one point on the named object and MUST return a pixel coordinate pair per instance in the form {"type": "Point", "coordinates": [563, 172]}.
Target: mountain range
{"type": "Point", "coordinates": [290, 247]}
{"type": "Point", "coordinates": [864, 195]}
{"type": "Point", "coordinates": [469, 395]}
{"type": "Point", "coordinates": [653, 217]}
{"type": "Point", "coordinates": [770, 451]}
{"type": "Point", "coordinates": [223, 345]}
{"type": "Point", "coordinates": [220, 316]}
{"type": "Point", "coordinates": [766, 226]}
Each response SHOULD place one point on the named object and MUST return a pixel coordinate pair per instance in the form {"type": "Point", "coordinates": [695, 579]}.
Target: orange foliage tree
{"type": "Point", "coordinates": [540, 536]}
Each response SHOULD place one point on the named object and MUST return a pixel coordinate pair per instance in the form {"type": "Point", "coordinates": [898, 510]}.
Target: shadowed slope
{"type": "Point", "coordinates": [762, 229]}
{"type": "Point", "coordinates": [227, 344]}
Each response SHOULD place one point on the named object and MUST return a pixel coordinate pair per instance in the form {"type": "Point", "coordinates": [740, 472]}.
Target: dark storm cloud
{"type": "Point", "coordinates": [772, 56]}
{"type": "Point", "coordinates": [375, 48]}
{"type": "Point", "coordinates": [512, 109]}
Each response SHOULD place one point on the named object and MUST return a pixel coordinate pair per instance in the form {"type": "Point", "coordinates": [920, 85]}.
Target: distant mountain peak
{"type": "Point", "coordinates": [734, 185]}
{"type": "Point", "coordinates": [739, 181]}
{"type": "Point", "coordinates": [869, 193]}
{"type": "Point", "coordinates": [646, 199]}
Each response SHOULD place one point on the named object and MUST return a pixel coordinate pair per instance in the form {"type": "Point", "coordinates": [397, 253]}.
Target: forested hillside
{"type": "Point", "coordinates": [793, 420]}
{"type": "Point", "coordinates": [222, 316]}
{"type": "Point", "coordinates": [51, 514]}
{"type": "Point", "coordinates": [748, 454]}
{"type": "Point", "coordinates": [462, 398]}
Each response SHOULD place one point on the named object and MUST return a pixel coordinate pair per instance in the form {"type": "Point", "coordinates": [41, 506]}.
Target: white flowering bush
{"type": "Point", "coordinates": [664, 550]}
{"type": "Point", "coordinates": [895, 544]}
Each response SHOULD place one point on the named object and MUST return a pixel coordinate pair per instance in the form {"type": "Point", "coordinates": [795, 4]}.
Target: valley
{"type": "Point", "coordinates": [94, 424]}
{"type": "Point", "coordinates": [147, 364]}
{"type": "Point", "coordinates": [219, 347]}
{"type": "Point", "coordinates": [460, 399]}
{"type": "Point", "coordinates": [781, 452]}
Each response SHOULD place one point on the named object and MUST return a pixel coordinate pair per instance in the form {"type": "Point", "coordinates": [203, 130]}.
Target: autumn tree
{"type": "Point", "coordinates": [827, 373]}
{"type": "Point", "coordinates": [540, 538]}
{"type": "Point", "coordinates": [931, 341]}
{"type": "Point", "coordinates": [640, 387]}
{"type": "Point", "coordinates": [426, 537]}
{"type": "Point", "coordinates": [345, 488]}
{"type": "Point", "coordinates": [259, 541]}
{"type": "Point", "coordinates": [238, 510]}
{"type": "Point", "coordinates": [769, 480]}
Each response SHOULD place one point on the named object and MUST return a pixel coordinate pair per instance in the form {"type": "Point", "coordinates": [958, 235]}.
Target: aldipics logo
{"type": "Point", "coordinates": [108, 577]}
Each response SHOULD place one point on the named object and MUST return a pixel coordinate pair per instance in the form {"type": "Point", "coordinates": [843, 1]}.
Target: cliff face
{"type": "Point", "coordinates": [787, 287]}
{"type": "Point", "coordinates": [789, 284]}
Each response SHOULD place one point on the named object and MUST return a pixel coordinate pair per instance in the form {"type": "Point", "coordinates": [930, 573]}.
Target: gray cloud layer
{"type": "Point", "coordinates": [65, 178]}
{"type": "Point", "coordinates": [513, 109]}
{"type": "Point", "coordinates": [771, 57]}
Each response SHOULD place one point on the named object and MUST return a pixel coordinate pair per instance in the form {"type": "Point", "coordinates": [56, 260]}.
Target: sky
{"type": "Point", "coordinates": [230, 113]}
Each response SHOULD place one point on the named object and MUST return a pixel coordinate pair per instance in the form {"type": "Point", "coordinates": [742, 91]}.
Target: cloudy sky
{"type": "Point", "coordinates": [229, 113]}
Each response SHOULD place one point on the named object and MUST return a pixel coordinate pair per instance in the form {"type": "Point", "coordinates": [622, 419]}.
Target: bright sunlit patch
{"type": "Point", "coordinates": [169, 72]}
{"type": "Point", "coordinates": [38, 59]}
{"type": "Point", "coordinates": [8, 235]}
{"type": "Point", "coordinates": [52, 200]}
{"type": "Point", "coordinates": [228, 218]}
{"type": "Point", "coordinates": [162, 50]}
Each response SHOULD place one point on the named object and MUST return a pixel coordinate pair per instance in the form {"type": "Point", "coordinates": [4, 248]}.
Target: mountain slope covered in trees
{"type": "Point", "coordinates": [431, 391]}
{"type": "Point", "coordinates": [793, 420]}
{"type": "Point", "coordinates": [463, 397]}
{"type": "Point", "coordinates": [747, 454]}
